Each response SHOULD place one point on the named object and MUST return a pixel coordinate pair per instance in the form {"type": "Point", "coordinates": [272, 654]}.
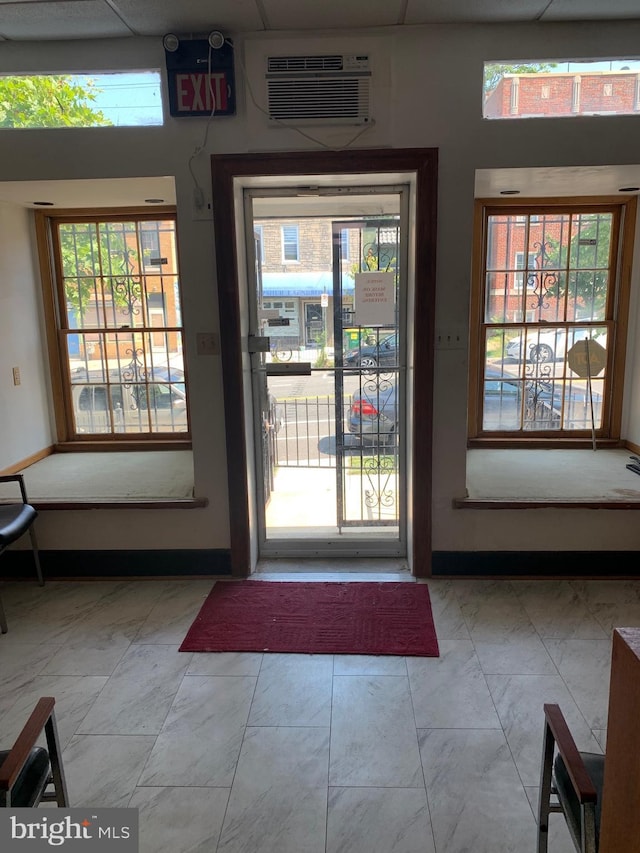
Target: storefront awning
{"type": "Point", "coordinates": [302, 284]}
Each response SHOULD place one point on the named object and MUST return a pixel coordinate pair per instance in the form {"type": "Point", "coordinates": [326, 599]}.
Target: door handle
{"type": "Point", "coordinates": [295, 368]}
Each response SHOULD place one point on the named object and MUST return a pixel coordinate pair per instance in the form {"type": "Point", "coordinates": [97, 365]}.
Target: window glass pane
{"type": "Point", "coordinates": [81, 100]}
{"type": "Point", "coordinates": [577, 412]}
{"type": "Point", "coordinates": [547, 258]}
{"type": "Point", "coordinates": [500, 240]}
{"type": "Point", "coordinates": [547, 390]}
{"type": "Point", "coordinates": [547, 319]}
{"type": "Point", "coordinates": [344, 244]}
{"type": "Point", "coordinates": [542, 409]}
{"type": "Point", "coordinates": [503, 298]}
{"type": "Point", "coordinates": [590, 259]}
{"type": "Point", "coordinates": [124, 338]}
{"type": "Point", "coordinates": [502, 402]}
{"type": "Point", "coordinates": [118, 274]}
{"type": "Point", "coordinates": [290, 242]}
{"type": "Point", "coordinates": [561, 88]}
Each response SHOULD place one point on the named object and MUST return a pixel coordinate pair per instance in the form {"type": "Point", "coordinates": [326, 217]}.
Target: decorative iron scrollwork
{"type": "Point", "coordinates": [378, 257]}
{"type": "Point", "coordinates": [380, 467]}
{"type": "Point", "coordinates": [135, 371]}
{"type": "Point", "coordinates": [379, 471]}
{"type": "Point", "coordinates": [539, 409]}
{"type": "Point", "coordinates": [128, 296]}
{"type": "Point", "coordinates": [375, 383]}
{"type": "Point", "coordinates": [541, 283]}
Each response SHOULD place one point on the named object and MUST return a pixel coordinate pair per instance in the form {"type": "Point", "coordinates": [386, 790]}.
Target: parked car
{"type": "Point", "coordinates": [374, 410]}
{"type": "Point", "coordinates": [548, 346]}
{"type": "Point", "coordinates": [128, 404]}
{"type": "Point", "coordinates": [373, 415]}
{"type": "Point", "coordinates": [383, 352]}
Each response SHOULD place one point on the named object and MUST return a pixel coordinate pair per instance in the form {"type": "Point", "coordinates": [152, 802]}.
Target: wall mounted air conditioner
{"type": "Point", "coordinates": [323, 89]}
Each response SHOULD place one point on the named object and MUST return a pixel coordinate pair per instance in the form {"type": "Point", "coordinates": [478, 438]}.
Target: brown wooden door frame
{"type": "Point", "coordinates": [422, 165]}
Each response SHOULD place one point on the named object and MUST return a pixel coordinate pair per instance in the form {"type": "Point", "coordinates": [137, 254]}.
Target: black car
{"type": "Point", "coordinates": [373, 416]}
{"type": "Point", "coordinates": [383, 352]}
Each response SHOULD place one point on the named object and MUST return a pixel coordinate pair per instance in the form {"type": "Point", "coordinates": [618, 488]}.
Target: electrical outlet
{"type": "Point", "coordinates": [450, 339]}
{"type": "Point", "coordinates": [16, 376]}
{"type": "Point", "coordinates": [201, 208]}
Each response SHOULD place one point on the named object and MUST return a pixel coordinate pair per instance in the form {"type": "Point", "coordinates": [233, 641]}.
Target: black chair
{"type": "Point", "coordinates": [30, 774]}
{"type": "Point", "coordinates": [15, 520]}
{"type": "Point", "coordinates": [570, 783]}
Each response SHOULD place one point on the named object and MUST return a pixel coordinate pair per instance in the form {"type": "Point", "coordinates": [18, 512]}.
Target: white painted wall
{"type": "Point", "coordinates": [25, 425]}
{"type": "Point", "coordinates": [436, 80]}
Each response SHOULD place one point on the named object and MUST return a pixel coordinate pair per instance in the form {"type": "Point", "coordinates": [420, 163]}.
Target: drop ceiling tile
{"type": "Point", "coordinates": [65, 20]}
{"type": "Point", "coordinates": [332, 14]}
{"type": "Point", "coordinates": [592, 10]}
{"type": "Point", "coordinates": [464, 11]}
{"type": "Point", "coordinates": [157, 17]}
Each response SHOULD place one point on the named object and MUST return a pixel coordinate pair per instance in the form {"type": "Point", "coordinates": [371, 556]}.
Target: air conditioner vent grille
{"type": "Point", "coordinates": [330, 98]}
{"type": "Point", "coordinates": [321, 88]}
{"type": "Point", "coordinates": [304, 63]}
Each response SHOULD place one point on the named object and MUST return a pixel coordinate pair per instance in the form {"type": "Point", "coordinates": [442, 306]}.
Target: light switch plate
{"type": "Point", "coordinates": [450, 339]}
{"type": "Point", "coordinates": [207, 343]}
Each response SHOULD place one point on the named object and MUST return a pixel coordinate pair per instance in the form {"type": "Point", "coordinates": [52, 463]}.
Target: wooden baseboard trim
{"type": "Point", "coordinates": [30, 460]}
{"type": "Point", "coordinates": [634, 448]}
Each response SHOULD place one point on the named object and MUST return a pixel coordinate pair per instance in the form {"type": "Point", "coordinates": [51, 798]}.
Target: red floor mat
{"type": "Point", "coordinates": [314, 617]}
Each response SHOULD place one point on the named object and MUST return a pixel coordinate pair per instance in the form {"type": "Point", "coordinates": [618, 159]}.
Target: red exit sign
{"type": "Point", "coordinates": [201, 79]}
{"type": "Point", "coordinates": [200, 93]}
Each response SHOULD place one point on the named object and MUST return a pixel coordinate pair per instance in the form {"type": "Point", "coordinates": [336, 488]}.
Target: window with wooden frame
{"type": "Point", "coordinates": [116, 341]}
{"type": "Point", "coordinates": [547, 339]}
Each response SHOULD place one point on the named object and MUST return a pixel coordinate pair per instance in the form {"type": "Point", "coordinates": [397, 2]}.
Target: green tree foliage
{"type": "Point", "coordinates": [98, 265]}
{"type": "Point", "coordinates": [583, 266]}
{"type": "Point", "coordinates": [48, 101]}
{"type": "Point", "coordinates": [495, 71]}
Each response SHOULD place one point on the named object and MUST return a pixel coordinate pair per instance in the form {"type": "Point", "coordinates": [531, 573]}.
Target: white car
{"type": "Point", "coordinates": [548, 346]}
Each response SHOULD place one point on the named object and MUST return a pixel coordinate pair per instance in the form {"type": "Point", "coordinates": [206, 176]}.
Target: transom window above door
{"type": "Point", "coordinates": [548, 322]}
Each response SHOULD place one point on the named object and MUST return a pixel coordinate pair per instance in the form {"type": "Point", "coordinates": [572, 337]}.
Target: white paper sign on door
{"type": "Point", "coordinates": [374, 299]}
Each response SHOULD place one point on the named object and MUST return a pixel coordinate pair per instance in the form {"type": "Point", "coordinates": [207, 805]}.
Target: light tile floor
{"type": "Point", "coordinates": [252, 753]}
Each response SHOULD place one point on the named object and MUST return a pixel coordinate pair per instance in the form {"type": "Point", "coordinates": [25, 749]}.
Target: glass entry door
{"type": "Point", "coordinates": [328, 392]}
